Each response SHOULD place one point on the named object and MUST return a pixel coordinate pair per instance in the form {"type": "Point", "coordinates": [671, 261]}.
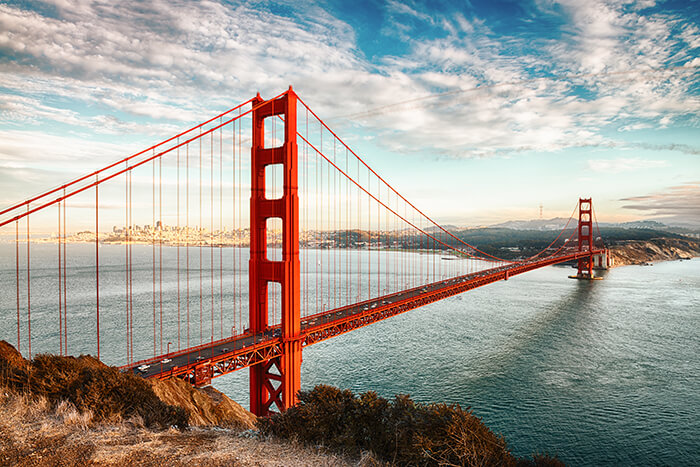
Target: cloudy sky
{"type": "Point", "coordinates": [477, 111]}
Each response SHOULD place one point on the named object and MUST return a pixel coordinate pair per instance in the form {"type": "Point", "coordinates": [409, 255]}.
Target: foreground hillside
{"type": "Point", "coordinates": [77, 411]}
{"type": "Point", "coordinates": [34, 432]}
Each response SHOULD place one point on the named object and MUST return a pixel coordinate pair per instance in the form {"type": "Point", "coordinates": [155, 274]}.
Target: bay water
{"type": "Point", "coordinates": [597, 372]}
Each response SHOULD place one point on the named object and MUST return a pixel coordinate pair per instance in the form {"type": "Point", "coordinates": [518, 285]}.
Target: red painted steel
{"type": "Point", "coordinates": [275, 382]}
{"type": "Point", "coordinates": [111, 166]}
{"type": "Point", "coordinates": [272, 348]}
{"type": "Point", "coordinates": [262, 349]}
{"type": "Point", "coordinates": [97, 265]}
{"type": "Point", "coordinates": [585, 237]}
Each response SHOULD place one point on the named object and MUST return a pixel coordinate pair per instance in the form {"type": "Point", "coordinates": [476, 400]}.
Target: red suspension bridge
{"type": "Point", "coordinates": [236, 244]}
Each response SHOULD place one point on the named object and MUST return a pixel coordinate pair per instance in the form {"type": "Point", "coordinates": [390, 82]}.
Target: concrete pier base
{"type": "Point", "coordinates": [586, 277]}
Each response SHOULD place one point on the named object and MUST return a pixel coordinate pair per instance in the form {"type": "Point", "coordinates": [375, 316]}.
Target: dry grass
{"type": "Point", "coordinates": [34, 433]}
{"type": "Point", "coordinates": [89, 386]}
{"type": "Point", "coordinates": [77, 411]}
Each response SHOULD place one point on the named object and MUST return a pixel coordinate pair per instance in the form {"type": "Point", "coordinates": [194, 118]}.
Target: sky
{"type": "Point", "coordinates": [477, 111]}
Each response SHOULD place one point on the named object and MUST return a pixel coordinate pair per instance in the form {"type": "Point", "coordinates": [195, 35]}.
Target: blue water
{"type": "Point", "coordinates": [599, 373]}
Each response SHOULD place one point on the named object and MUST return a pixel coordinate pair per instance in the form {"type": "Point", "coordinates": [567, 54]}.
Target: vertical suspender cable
{"type": "Point", "coordinates": [199, 241]}
{"type": "Point", "coordinates": [177, 227]}
{"type": "Point", "coordinates": [240, 222]}
{"type": "Point", "coordinates": [350, 257]}
{"type": "Point", "coordinates": [97, 262]}
{"type": "Point", "coordinates": [131, 272]}
{"type": "Point", "coordinates": [211, 229]}
{"type": "Point", "coordinates": [306, 217]}
{"type": "Point", "coordinates": [187, 238]}
{"type": "Point", "coordinates": [233, 220]}
{"type": "Point", "coordinates": [153, 247]}
{"type": "Point", "coordinates": [369, 239]}
{"type": "Point", "coordinates": [221, 230]}
{"type": "Point", "coordinates": [160, 248]}
{"type": "Point", "coordinates": [29, 294]}
{"type": "Point", "coordinates": [60, 286]}
{"type": "Point", "coordinates": [335, 231]}
{"type": "Point", "coordinates": [126, 259]}
{"type": "Point", "coordinates": [379, 244]}
{"type": "Point", "coordinates": [17, 279]}
{"type": "Point", "coordinates": [65, 280]}
{"type": "Point", "coordinates": [359, 229]}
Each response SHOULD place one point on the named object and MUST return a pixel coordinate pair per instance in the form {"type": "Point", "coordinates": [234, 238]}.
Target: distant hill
{"type": "Point", "coordinates": [558, 223]}
{"type": "Point", "coordinates": [511, 243]}
{"type": "Point", "coordinates": [448, 227]}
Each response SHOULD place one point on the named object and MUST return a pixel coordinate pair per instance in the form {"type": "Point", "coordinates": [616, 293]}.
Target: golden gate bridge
{"type": "Point", "coordinates": [263, 233]}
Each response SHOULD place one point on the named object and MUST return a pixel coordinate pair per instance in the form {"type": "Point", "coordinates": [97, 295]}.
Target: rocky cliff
{"type": "Point", "coordinates": [655, 249]}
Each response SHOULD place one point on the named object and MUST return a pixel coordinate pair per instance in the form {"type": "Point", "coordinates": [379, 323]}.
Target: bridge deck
{"type": "Point", "coordinates": [200, 364]}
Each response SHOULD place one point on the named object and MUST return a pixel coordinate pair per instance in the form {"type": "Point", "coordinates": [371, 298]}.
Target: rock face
{"type": "Point", "coordinates": [656, 249]}
{"type": "Point", "coordinates": [205, 406]}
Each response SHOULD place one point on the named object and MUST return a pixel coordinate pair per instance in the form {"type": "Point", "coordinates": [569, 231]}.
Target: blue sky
{"type": "Point", "coordinates": [477, 111]}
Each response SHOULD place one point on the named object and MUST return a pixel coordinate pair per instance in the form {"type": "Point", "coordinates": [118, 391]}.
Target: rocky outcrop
{"type": "Point", "coordinates": [205, 406]}
{"type": "Point", "coordinates": [656, 249]}
{"type": "Point", "coordinates": [105, 392]}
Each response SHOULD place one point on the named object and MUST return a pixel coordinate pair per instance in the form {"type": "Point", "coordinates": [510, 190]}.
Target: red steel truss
{"type": "Point", "coordinates": [265, 351]}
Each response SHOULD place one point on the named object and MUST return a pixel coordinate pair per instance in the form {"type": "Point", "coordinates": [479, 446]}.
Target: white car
{"type": "Point", "coordinates": [166, 360]}
{"type": "Point", "coordinates": [143, 368]}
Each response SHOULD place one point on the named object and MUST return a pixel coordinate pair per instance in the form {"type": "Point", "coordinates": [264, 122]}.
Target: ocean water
{"type": "Point", "coordinates": [599, 373]}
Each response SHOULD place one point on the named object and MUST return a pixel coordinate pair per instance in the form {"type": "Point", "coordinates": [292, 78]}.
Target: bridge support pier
{"type": "Point", "coordinates": [275, 382]}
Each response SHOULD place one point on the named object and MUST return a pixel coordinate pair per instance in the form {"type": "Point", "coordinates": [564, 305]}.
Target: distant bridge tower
{"type": "Point", "coordinates": [275, 381]}
{"type": "Point", "coordinates": [585, 237]}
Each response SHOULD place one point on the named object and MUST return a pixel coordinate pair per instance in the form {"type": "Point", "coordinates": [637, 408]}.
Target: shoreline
{"type": "Point", "coordinates": [647, 252]}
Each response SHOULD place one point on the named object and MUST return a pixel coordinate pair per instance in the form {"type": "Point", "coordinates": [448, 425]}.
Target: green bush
{"type": "Point", "coordinates": [401, 431]}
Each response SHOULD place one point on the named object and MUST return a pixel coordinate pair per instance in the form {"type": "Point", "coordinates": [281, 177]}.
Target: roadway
{"type": "Point", "coordinates": [370, 311]}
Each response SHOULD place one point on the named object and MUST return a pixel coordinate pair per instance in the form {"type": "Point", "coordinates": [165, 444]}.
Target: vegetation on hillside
{"type": "Point", "coordinates": [511, 244]}
{"type": "Point", "coordinates": [400, 432]}
{"type": "Point", "coordinates": [88, 385]}
{"type": "Point", "coordinates": [36, 433]}
{"type": "Point", "coordinates": [89, 413]}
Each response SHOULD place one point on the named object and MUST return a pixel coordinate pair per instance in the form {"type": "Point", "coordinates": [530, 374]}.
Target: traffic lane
{"type": "Point", "coordinates": [199, 355]}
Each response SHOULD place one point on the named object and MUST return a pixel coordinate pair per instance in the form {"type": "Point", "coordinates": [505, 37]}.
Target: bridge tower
{"type": "Point", "coordinates": [585, 237]}
{"type": "Point", "coordinates": [276, 381]}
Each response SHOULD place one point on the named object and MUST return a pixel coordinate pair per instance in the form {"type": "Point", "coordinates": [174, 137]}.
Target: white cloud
{"type": "Point", "coordinates": [623, 165]}
{"type": "Point", "coordinates": [181, 62]}
{"type": "Point", "coordinates": [675, 205]}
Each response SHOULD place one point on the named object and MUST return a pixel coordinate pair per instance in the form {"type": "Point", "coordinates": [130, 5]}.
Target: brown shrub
{"type": "Point", "coordinates": [400, 432]}
{"type": "Point", "coordinates": [90, 386]}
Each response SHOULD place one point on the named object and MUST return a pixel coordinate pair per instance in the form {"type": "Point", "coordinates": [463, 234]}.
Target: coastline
{"type": "Point", "coordinates": [645, 252]}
